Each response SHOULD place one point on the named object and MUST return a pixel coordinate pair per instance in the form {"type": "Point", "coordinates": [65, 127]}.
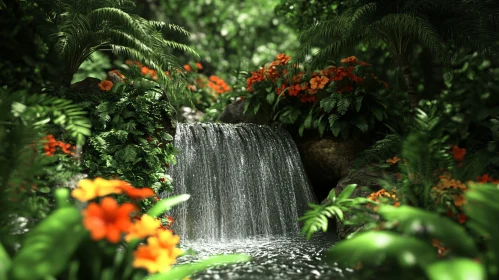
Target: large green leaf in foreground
{"type": "Point", "coordinates": [376, 247]}
{"type": "Point", "coordinates": [48, 248]}
{"type": "Point", "coordinates": [179, 272]}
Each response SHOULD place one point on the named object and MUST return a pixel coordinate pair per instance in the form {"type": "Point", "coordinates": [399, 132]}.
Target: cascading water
{"type": "Point", "coordinates": [248, 188]}
{"type": "Point", "coordinates": [244, 180]}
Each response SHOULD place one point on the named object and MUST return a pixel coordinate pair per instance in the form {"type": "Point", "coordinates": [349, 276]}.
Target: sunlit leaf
{"type": "Point", "coordinates": [166, 204]}
{"type": "Point", "coordinates": [48, 248]}
{"type": "Point", "coordinates": [375, 247]}
{"type": "Point", "coordinates": [414, 221]}
{"type": "Point", "coordinates": [182, 271]}
{"type": "Point", "coordinates": [456, 269]}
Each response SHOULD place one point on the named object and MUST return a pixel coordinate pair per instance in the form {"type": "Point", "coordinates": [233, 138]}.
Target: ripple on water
{"type": "Point", "coordinates": [272, 258]}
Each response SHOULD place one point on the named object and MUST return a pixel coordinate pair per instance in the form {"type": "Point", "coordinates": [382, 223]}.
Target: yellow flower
{"type": "Point", "coordinates": [88, 189]}
{"type": "Point", "coordinates": [146, 226]}
{"type": "Point", "coordinates": [159, 253]}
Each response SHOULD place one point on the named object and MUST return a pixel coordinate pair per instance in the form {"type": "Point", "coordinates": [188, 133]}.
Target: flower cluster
{"type": "Point", "coordinates": [218, 85]}
{"type": "Point", "coordinates": [50, 146]}
{"type": "Point", "coordinates": [305, 87]}
{"type": "Point", "coordinates": [144, 70]}
{"type": "Point", "coordinates": [384, 196]}
{"type": "Point", "coordinates": [107, 220]}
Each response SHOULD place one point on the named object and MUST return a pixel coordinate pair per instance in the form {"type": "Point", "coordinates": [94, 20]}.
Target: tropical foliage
{"type": "Point", "coordinates": [343, 100]}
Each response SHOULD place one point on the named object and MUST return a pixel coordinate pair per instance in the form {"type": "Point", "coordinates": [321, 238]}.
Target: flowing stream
{"type": "Point", "coordinates": [248, 188]}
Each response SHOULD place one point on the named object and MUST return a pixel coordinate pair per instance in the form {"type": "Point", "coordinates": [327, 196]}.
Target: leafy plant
{"type": "Point", "coordinates": [80, 29]}
{"type": "Point", "coordinates": [344, 101]}
{"type": "Point", "coordinates": [439, 26]}
{"type": "Point", "coordinates": [130, 138]}
{"type": "Point", "coordinates": [31, 165]}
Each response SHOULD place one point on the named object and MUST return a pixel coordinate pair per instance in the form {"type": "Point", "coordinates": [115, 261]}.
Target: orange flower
{"type": "Point", "coordinates": [105, 85]}
{"type": "Point", "coordinates": [144, 227]}
{"type": "Point", "coordinates": [137, 193]}
{"type": "Point", "coordinates": [458, 153]}
{"type": "Point", "coordinates": [350, 59]}
{"type": "Point", "coordinates": [159, 253]}
{"type": "Point", "coordinates": [199, 65]}
{"type": "Point", "coordinates": [144, 70]}
{"type": "Point", "coordinates": [459, 200]}
{"type": "Point", "coordinates": [88, 189]}
{"type": "Point", "coordinates": [108, 220]}
{"type": "Point", "coordinates": [283, 58]}
{"type": "Point", "coordinates": [187, 67]}
{"type": "Point", "coordinates": [393, 160]}
{"type": "Point", "coordinates": [318, 82]}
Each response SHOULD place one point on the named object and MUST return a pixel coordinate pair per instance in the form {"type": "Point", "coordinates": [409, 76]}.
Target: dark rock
{"type": "Point", "coordinates": [234, 113]}
{"type": "Point", "coordinates": [328, 160]}
{"type": "Point", "coordinates": [90, 84]}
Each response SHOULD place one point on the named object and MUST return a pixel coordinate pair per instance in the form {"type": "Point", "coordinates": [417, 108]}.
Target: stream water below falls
{"type": "Point", "coordinates": [273, 258]}
{"type": "Point", "coordinates": [248, 188]}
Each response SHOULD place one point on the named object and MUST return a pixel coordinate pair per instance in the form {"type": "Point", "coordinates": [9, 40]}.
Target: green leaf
{"type": "Point", "coordinates": [456, 269]}
{"type": "Point", "coordinates": [301, 129]}
{"type": "Point", "coordinates": [411, 220]}
{"type": "Point", "coordinates": [271, 97]}
{"type": "Point", "coordinates": [379, 247]}
{"type": "Point", "coordinates": [343, 105]}
{"type": "Point", "coordinates": [328, 103]}
{"type": "Point", "coordinates": [377, 113]}
{"type": "Point", "coordinates": [5, 262]}
{"type": "Point", "coordinates": [332, 195]}
{"type": "Point", "coordinates": [322, 127]}
{"type": "Point", "coordinates": [347, 192]}
{"type": "Point", "coordinates": [336, 129]}
{"type": "Point", "coordinates": [257, 107]}
{"type": "Point", "coordinates": [362, 124]}
{"type": "Point", "coordinates": [166, 204]}
{"type": "Point", "coordinates": [332, 120]}
{"type": "Point", "coordinates": [308, 121]}
{"type": "Point", "coordinates": [358, 102]}
{"type": "Point", "coordinates": [182, 271]}
{"type": "Point", "coordinates": [48, 248]}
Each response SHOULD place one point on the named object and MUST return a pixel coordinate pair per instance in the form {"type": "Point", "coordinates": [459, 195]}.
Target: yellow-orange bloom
{"type": "Point", "coordinates": [283, 58]}
{"type": "Point", "coordinates": [105, 85]}
{"type": "Point", "coordinates": [108, 220]}
{"type": "Point", "coordinates": [88, 189]}
{"type": "Point", "coordinates": [146, 226]}
{"type": "Point", "coordinates": [159, 253]}
{"type": "Point", "coordinates": [136, 193]}
{"type": "Point", "coordinates": [318, 82]}
{"type": "Point", "coordinates": [393, 160]}
{"type": "Point", "coordinates": [199, 65]}
{"type": "Point", "coordinates": [187, 67]}
{"type": "Point", "coordinates": [350, 59]}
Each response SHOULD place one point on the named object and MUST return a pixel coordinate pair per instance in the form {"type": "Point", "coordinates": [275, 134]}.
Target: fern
{"type": "Point", "coordinates": [82, 27]}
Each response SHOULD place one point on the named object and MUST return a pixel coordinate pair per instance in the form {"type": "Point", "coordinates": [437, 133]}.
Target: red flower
{"type": "Point", "coordinates": [458, 153]}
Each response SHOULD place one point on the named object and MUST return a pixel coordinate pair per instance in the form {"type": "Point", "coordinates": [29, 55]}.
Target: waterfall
{"type": "Point", "coordinates": [245, 180]}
